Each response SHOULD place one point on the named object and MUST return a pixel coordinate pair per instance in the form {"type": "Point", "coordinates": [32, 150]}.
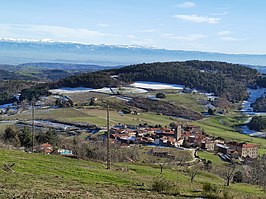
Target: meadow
{"type": "Point", "coordinates": [52, 176]}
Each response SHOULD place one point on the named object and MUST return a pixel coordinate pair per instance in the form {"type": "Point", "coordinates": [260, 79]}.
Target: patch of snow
{"type": "Point", "coordinates": [70, 90]}
{"type": "Point", "coordinates": [156, 85]}
{"type": "Point", "coordinates": [100, 90]}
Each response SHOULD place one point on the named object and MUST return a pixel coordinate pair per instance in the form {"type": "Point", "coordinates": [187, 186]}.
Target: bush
{"type": "Point", "coordinates": [160, 95]}
{"type": "Point", "coordinates": [211, 111]}
{"type": "Point", "coordinates": [163, 185]}
{"type": "Point", "coordinates": [238, 177]}
{"type": "Point", "coordinates": [209, 188]}
{"type": "Point", "coordinates": [212, 192]}
{"type": "Point", "coordinates": [126, 110]}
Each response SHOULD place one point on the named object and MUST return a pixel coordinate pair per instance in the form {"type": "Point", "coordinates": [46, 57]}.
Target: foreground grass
{"type": "Point", "coordinates": [50, 176]}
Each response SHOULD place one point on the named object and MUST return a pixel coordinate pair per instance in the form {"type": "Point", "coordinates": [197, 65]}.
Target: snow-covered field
{"type": "Point", "coordinates": [156, 85]}
{"type": "Point", "coordinates": [123, 90]}
{"type": "Point", "coordinates": [70, 90]}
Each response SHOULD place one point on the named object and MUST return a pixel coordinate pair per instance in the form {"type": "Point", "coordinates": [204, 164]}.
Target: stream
{"type": "Point", "coordinates": [248, 110]}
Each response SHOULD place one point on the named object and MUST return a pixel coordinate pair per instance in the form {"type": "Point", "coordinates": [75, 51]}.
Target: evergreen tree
{"type": "Point", "coordinates": [25, 137]}
{"type": "Point", "coordinates": [11, 136]}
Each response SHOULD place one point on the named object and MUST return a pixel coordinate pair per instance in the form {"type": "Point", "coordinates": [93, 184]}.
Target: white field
{"type": "Point", "coordinates": [70, 90]}
{"type": "Point", "coordinates": [122, 90]}
{"type": "Point", "coordinates": [156, 85]}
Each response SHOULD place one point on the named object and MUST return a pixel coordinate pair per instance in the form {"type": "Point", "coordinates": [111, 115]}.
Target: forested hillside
{"type": "Point", "coordinates": [7, 75]}
{"type": "Point", "coordinates": [224, 79]}
{"type": "Point", "coordinates": [260, 104]}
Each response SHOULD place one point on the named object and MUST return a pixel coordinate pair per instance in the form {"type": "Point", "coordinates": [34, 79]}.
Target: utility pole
{"type": "Point", "coordinates": [108, 166]}
{"type": "Point", "coordinates": [33, 124]}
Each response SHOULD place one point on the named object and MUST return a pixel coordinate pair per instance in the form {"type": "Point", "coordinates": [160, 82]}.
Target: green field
{"type": "Point", "coordinates": [51, 176]}
{"type": "Point", "coordinates": [98, 116]}
{"type": "Point", "coordinates": [94, 116]}
{"type": "Point", "coordinates": [210, 156]}
{"type": "Point", "coordinates": [191, 101]}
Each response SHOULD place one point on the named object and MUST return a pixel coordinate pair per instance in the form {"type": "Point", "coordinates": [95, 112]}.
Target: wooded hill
{"type": "Point", "coordinates": [260, 104]}
{"type": "Point", "coordinates": [223, 79]}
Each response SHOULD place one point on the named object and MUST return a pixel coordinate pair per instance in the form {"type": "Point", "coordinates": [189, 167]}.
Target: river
{"type": "Point", "coordinates": [248, 110]}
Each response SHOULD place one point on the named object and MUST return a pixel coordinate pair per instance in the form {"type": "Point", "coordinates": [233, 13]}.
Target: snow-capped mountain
{"type": "Point", "coordinates": [13, 51]}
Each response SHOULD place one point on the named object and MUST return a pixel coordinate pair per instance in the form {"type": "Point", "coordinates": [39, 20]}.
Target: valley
{"type": "Point", "coordinates": [145, 116]}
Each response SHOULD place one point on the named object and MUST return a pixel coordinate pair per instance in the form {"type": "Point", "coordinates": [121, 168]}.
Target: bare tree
{"type": "Point", "coordinates": [227, 172]}
{"type": "Point", "coordinates": [162, 164]}
{"type": "Point", "coordinates": [194, 170]}
{"type": "Point", "coordinates": [182, 158]}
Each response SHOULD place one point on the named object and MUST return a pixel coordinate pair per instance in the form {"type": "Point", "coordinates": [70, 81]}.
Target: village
{"type": "Point", "coordinates": [183, 136]}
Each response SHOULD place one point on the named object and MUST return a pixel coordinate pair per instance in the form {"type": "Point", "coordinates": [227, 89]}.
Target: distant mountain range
{"type": "Point", "coordinates": [23, 51]}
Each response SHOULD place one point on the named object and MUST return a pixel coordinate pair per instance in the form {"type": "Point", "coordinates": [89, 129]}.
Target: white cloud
{"type": "Point", "coordinates": [189, 37]}
{"type": "Point", "coordinates": [228, 38]}
{"type": "Point", "coordinates": [47, 31]}
{"type": "Point", "coordinates": [220, 14]}
{"type": "Point", "coordinates": [103, 25]}
{"type": "Point", "coordinates": [197, 19]}
{"type": "Point", "coordinates": [148, 30]}
{"type": "Point", "coordinates": [131, 36]}
{"type": "Point", "coordinates": [186, 4]}
{"type": "Point", "coordinates": [224, 33]}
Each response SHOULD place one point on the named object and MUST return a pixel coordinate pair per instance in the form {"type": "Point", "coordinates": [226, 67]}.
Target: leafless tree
{"type": "Point", "coordinates": [194, 170]}
{"type": "Point", "coordinates": [227, 172]}
{"type": "Point", "coordinates": [182, 158]}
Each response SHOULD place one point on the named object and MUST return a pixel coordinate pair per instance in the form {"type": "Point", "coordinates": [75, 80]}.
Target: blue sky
{"type": "Point", "coordinates": [229, 26]}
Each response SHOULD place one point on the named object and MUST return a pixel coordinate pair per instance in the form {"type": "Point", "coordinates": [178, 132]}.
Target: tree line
{"type": "Point", "coordinates": [223, 79]}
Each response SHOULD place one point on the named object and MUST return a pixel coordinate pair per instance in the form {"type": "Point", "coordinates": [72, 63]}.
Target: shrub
{"type": "Point", "coordinates": [163, 185]}
{"type": "Point", "coordinates": [160, 95]}
{"type": "Point", "coordinates": [210, 191]}
{"type": "Point", "coordinates": [238, 177]}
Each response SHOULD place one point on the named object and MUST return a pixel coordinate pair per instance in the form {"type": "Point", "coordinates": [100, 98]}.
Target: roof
{"type": "Point", "coordinates": [170, 139]}
{"type": "Point", "coordinates": [222, 146]}
{"type": "Point", "coordinates": [249, 146]}
{"type": "Point", "coordinates": [47, 150]}
{"type": "Point", "coordinates": [243, 145]}
{"type": "Point", "coordinates": [46, 145]}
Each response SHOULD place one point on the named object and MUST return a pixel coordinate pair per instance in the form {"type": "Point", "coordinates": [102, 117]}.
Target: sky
{"type": "Point", "coordinates": [227, 26]}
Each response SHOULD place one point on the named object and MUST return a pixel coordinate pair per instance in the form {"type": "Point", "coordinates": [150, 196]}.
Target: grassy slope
{"type": "Point", "coordinates": [187, 100]}
{"type": "Point", "coordinates": [210, 156]}
{"type": "Point", "coordinates": [48, 176]}
{"type": "Point", "coordinates": [94, 116]}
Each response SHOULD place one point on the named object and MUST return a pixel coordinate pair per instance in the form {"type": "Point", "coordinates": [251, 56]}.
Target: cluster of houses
{"type": "Point", "coordinates": [179, 135]}
{"type": "Point", "coordinates": [47, 148]}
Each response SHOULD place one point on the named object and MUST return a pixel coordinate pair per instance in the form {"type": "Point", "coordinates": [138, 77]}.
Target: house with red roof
{"type": "Point", "coordinates": [244, 149]}
{"type": "Point", "coordinates": [45, 148]}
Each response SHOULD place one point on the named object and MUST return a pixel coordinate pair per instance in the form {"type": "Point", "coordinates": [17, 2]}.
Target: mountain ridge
{"type": "Point", "coordinates": [21, 51]}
